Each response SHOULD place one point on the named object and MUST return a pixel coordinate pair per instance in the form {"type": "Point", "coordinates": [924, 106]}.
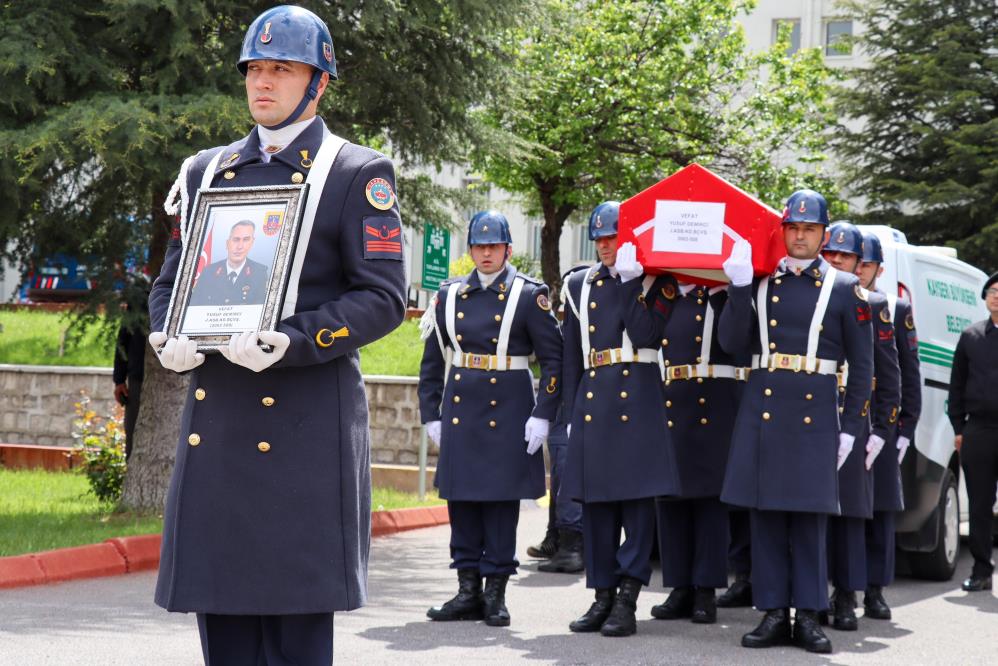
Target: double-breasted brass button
{"type": "Point", "coordinates": [589, 418]}
{"type": "Point", "coordinates": [665, 342]}
{"type": "Point", "coordinates": [772, 345]}
{"type": "Point", "coordinates": [699, 318]}
{"type": "Point", "coordinates": [457, 398]}
{"type": "Point", "coordinates": [459, 337]}
{"type": "Point", "coordinates": [765, 416]}
{"type": "Point", "coordinates": [778, 281]}
{"type": "Point", "coordinates": [589, 395]}
{"type": "Point", "coordinates": [297, 178]}
{"type": "Point", "coordinates": [194, 439]}
{"type": "Point", "coordinates": [670, 424]}
{"type": "Point", "coordinates": [699, 301]}
{"type": "Point", "coordinates": [626, 372]}
{"type": "Point", "coordinates": [809, 397]}
{"type": "Point", "coordinates": [229, 175]}
{"type": "Point", "coordinates": [817, 283]}
{"type": "Point", "coordinates": [457, 377]}
{"type": "Point", "coordinates": [492, 424]}
{"type": "Point", "coordinates": [263, 447]}
{"type": "Point", "coordinates": [702, 401]}
{"type": "Point", "coordinates": [460, 315]}
{"type": "Point", "coordinates": [668, 403]}
{"type": "Point", "coordinates": [268, 401]}
{"type": "Point", "coordinates": [623, 417]}
{"type": "Point", "coordinates": [775, 299]}
{"type": "Point", "coordinates": [492, 380]}
{"type": "Point", "coordinates": [592, 373]}
{"type": "Point", "coordinates": [703, 421]}
{"type": "Point", "coordinates": [493, 402]}
{"type": "Point", "coordinates": [455, 420]}
{"type": "Point", "coordinates": [772, 323]}
{"type": "Point", "coordinates": [623, 394]}
{"type": "Point", "coordinates": [592, 328]}
{"type": "Point", "coordinates": [768, 392]}
{"type": "Point", "coordinates": [464, 297]}
{"type": "Point", "coordinates": [199, 394]}
{"type": "Point", "coordinates": [807, 420]}
{"type": "Point", "coordinates": [592, 305]}
{"type": "Point", "coordinates": [498, 317]}
{"type": "Point", "coordinates": [698, 338]}
{"type": "Point", "coordinates": [699, 380]}
{"type": "Point", "coordinates": [599, 283]}
{"type": "Point", "coordinates": [502, 297]}
{"type": "Point", "coordinates": [495, 341]}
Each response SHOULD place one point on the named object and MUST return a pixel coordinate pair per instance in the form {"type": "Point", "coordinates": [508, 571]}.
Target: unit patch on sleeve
{"type": "Point", "coordinates": [382, 238]}
{"type": "Point", "coordinates": [379, 193]}
{"type": "Point", "coordinates": [863, 313]}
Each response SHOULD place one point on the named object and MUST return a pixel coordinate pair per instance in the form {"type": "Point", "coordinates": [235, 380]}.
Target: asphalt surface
{"type": "Point", "coordinates": [110, 621]}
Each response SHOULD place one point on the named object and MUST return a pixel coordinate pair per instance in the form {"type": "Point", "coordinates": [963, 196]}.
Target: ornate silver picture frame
{"type": "Point", "coordinates": [234, 268]}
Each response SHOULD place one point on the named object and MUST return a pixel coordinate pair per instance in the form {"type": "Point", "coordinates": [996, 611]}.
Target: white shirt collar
{"type": "Point", "coordinates": [229, 268]}
{"type": "Point", "coordinates": [795, 266]}
{"type": "Point", "coordinates": [486, 279]}
{"type": "Point", "coordinates": [280, 137]}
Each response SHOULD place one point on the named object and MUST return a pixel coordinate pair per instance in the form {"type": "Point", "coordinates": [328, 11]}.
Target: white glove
{"type": "Point", "coordinates": [433, 431]}
{"type": "Point", "coordinates": [178, 354]}
{"type": "Point", "coordinates": [738, 266]}
{"type": "Point", "coordinates": [903, 444]}
{"type": "Point", "coordinates": [534, 433]}
{"type": "Point", "coordinates": [845, 447]}
{"type": "Point", "coordinates": [873, 447]}
{"type": "Point", "coordinates": [244, 349]}
{"type": "Point", "coordinates": [627, 264]}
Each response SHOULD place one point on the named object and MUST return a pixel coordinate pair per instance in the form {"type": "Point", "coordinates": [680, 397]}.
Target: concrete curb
{"type": "Point", "coordinates": [123, 555]}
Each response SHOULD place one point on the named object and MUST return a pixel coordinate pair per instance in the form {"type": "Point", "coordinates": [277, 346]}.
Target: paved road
{"type": "Point", "coordinates": [112, 621]}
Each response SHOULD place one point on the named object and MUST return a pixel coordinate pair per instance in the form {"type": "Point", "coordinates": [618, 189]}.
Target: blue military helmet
{"type": "Point", "coordinates": [295, 34]}
{"type": "Point", "coordinates": [806, 206]}
{"type": "Point", "coordinates": [844, 237]}
{"type": "Point", "coordinates": [603, 220]}
{"type": "Point", "coordinates": [872, 249]}
{"type": "Point", "coordinates": [489, 227]}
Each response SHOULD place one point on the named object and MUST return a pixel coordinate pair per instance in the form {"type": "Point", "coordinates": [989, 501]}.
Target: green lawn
{"type": "Point", "coordinates": [35, 338]}
{"type": "Point", "coordinates": [44, 510]}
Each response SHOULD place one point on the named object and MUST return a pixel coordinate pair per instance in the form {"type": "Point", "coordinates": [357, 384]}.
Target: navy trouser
{"type": "Point", "coordinates": [979, 460]}
{"type": "Point", "coordinates": [483, 536]}
{"type": "Point", "coordinates": [880, 549]}
{"type": "Point", "coordinates": [568, 512]}
{"type": "Point", "coordinates": [847, 553]}
{"type": "Point", "coordinates": [789, 560]}
{"type": "Point", "coordinates": [740, 547]}
{"type": "Point", "coordinates": [607, 559]}
{"type": "Point", "coordinates": [693, 541]}
{"type": "Point", "coordinates": [266, 640]}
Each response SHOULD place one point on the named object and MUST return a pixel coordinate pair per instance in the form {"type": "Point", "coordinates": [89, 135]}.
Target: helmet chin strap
{"type": "Point", "coordinates": [310, 94]}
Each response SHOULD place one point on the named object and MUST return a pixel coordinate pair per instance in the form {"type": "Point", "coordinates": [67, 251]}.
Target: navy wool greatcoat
{"type": "Point", "coordinates": [483, 455]}
{"type": "Point", "coordinates": [784, 448]}
{"type": "Point", "coordinates": [619, 447]}
{"type": "Point", "coordinates": [888, 494]}
{"type": "Point", "coordinates": [856, 483]}
{"type": "Point", "coordinates": [701, 411]}
{"type": "Point", "coordinates": [285, 530]}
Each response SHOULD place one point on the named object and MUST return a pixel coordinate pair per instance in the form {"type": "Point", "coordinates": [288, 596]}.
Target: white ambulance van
{"type": "Point", "coordinates": [945, 295]}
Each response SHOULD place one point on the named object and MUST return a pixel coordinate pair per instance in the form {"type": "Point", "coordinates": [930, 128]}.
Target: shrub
{"type": "Point", "coordinates": [101, 440]}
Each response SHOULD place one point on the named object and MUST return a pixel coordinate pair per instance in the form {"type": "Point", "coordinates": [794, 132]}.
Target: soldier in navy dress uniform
{"type": "Point", "coordinates": [888, 495]}
{"type": "Point", "coordinates": [476, 397]}
{"type": "Point", "coordinates": [620, 456]}
{"type": "Point", "coordinates": [789, 436]}
{"type": "Point", "coordinates": [267, 525]}
{"type": "Point", "coordinates": [702, 388]}
{"type": "Point", "coordinates": [237, 279]}
{"type": "Point", "coordinates": [847, 531]}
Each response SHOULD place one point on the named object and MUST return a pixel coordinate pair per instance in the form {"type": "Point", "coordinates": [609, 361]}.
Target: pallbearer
{"type": "Point", "coordinates": [619, 454]}
{"type": "Point", "coordinates": [798, 322]}
{"type": "Point", "coordinates": [702, 389]}
{"type": "Point", "coordinates": [476, 397]}
{"type": "Point", "coordinates": [888, 497]}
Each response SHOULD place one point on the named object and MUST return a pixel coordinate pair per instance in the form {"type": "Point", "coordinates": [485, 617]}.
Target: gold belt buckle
{"type": "Point", "coordinates": [679, 372]}
{"type": "Point", "coordinates": [787, 362]}
{"type": "Point", "coordinates": [475, 361]}
{"type": "Point", "coordinates": [600, 358]}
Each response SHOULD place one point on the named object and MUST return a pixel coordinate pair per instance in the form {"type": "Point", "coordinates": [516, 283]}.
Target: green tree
{"type": "Point", "coordinates": [611, 97]}
{"type": "Point", "coordinates": [105, 98]}
{"type": "Point", "coordinates": [926, 151]}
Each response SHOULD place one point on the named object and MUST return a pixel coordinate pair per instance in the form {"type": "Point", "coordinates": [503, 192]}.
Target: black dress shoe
{"type": "Point", "coordinates": [874, 604]}
{"type": "Point", "coordinates": [739, 595]}
{"type": "Point", "coordinates": [622, 621]}
{"type": "Point", "coordinates": [467, 604]}
{"type": "Point", "coordinates": [593, 619]}
{"type": "Point", "coordinates": [704, 606]}
{"type": "Point", "coordinates": [807, 633]}
{"type": "Point", "coordinates": [977, 583]}
{"type": "Point", "coordinates": [679, 604]}
{"type": "Point", "coordinates": [844, 614]}
{"type": "Point", "coordinates": [773, 630]}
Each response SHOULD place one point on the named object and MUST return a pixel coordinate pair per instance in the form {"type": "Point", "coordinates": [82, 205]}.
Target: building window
{"type": "Point", "coordinates": [587, 249]}
{"type": "Point", "coordinates": [837, 34]}
{"type": "Point", "coordinates": [794, 33]}
{"type": "Point", "coordinates": [535, 241]}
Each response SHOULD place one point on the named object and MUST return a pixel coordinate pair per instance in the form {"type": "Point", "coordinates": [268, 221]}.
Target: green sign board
{"type": "Point", "coordinates": [436, 256]}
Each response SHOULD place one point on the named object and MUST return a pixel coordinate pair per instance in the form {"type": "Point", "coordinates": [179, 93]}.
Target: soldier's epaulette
{"type": "Point", "coordinates": [451, 280]}
{"type": "Point", "coordinates": [574, 269]}
{"type": "Point", "coordinates": [530, 278]}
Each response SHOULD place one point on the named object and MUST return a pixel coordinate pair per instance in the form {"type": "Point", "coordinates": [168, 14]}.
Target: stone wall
{"type": "Point", "coordinates": [36, 407]}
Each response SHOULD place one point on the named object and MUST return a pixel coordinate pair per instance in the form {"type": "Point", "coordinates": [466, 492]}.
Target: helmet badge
{"type": "Point", "coordinates": [841, 238]}
{"type": "Point", "coordinates": [327, 51]}
{"type": "Point", "coordinates": [803, 206]}
{"type": "Point", "coordinates": [599, 222]}
{"type": "Point", "coordinates": [265, 36]}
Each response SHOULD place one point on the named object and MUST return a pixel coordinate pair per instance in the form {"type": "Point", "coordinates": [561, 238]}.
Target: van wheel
{"type": "Point", "coordinates": [940, 564]}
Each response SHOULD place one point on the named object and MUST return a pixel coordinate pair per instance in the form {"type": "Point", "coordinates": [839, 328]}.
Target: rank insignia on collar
{"type": "Point", "coordinates": [230, 160]}
{"type": "Point", "coordinates": [543, 303]}
{"type": "Point", "coordinates": [502, 286]}
{"type": "Point", "coordinates": [306, 163]}
{"type": "Point", "coordinates": [861, 293]}
{"type": "Point", "coordinates": [669, 291]}
{"type": "Point", "coordinates": [379, 194]}
{"type": "Point", "coordinates": [885, 316]}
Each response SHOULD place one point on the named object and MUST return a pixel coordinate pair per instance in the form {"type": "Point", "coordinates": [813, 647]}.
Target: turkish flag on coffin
{"type": "Point", "coordinates": [687, 224]}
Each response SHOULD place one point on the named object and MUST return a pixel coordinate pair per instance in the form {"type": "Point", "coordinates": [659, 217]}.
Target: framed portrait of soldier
{"type": "Point", "coordinates": [234, 269]}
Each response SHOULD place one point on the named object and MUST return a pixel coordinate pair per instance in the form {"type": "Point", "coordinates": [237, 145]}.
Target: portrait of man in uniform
{"type": "Point", "coordinates": [237, 279]}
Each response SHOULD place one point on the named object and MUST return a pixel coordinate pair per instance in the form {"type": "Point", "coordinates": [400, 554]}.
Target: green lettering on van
{"type": "Point", "coordinates": [955, 324]}
{"type": "Point", "coordinates": [951, 292]}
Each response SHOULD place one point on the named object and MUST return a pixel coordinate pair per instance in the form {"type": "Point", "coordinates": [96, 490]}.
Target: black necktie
{"type": "Point", "coordinates": [232, 276]}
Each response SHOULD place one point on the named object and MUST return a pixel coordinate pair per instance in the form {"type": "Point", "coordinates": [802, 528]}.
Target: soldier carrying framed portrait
{"type": "Point", "coordinates": [236, 262]}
